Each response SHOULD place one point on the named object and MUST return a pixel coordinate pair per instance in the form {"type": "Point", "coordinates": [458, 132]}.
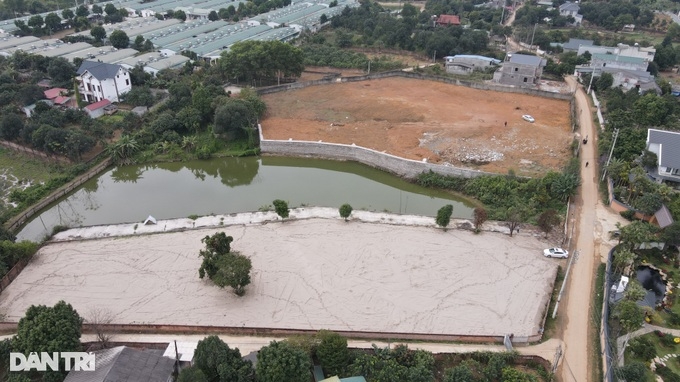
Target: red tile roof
{"type": "Point", "coordinates": [54, 92]}
{"type": "Point", "coordinates": [98, 105]}
{"type": "Point", "coordinates": [448, 20]}
{"type": "Point", "coordinates": [61, 100]}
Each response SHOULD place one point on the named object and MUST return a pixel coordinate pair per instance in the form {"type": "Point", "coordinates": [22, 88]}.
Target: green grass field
{"type": "Point", "coordinates": [17, 170]}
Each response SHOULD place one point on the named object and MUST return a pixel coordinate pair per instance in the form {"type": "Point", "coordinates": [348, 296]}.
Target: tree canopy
{"type": "Point", "coordinates": [257, 60]}
{"type": "Point", "coordinates": [219, 363]}
{"type": "Point", "coordinates": [280, 361]}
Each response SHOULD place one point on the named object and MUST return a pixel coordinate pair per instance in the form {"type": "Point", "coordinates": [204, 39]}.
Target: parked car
{"type": "Point", "coordinates": [555, 252]}
{"type": "Point", "coordinates": [528, 118]}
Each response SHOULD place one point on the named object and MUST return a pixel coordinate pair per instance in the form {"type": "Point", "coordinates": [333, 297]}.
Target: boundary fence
{"type": "Point", "coordinates": [10, 327]}
{"type": "Point", "coordinates": [418, 76]}
{"type": "Point", "coordinates": [34, 153]}
{"type": "Point", "coordinates": [604, 335]}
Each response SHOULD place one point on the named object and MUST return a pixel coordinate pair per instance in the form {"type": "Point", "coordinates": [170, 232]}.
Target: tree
{"type": "Point", "coordinates": [233, 118]}
{"type": "Point", "coordinates": [82, 11]}
{"type": "Point", "coordinates": [52, 22]}
{"type": "Point", "coordinates": [98, 32]}
{"type": "Point", "coordinates": [281, 208]}
{"type": "Point", "coordinates": [622, 258]}
{"type": "Point", "coordinates": [60, 70]}
{"type": "Point", "coordinates": [510, 374]}
{"type": "Point", "coordinates": [233, 270]}
{"type": "Point", "coordinates": [219, 363]}
{"type": "Point", "coordinates": [280, 361]}
{"type": "Point", "coordinates": [180, 15]}
{"type": "Point", "coordinates": [444, 216]}
{"type": "Point", "coordinates": [97, 319]}
{"type": "Point", "coordinates": [333, 353]}
{"type": "Point", "coordinates": [68, 14]}
{"type": "Point", "coordinates": [223, 267]}
{"type": "Point", "coordinates": [10, 126]}
{"type": "Point", "coordinates": [36, 22]}
{"type": "Point", "coordinates": [634, 371]}
{"type": "Point", "coordinates": [49, 329]}
{"type": "Point", "coordinates": [643, 348]}
{"type": "Point", "coordinates": [123, 150]}
{"type": "Point", "coordinates": [604, 82]}
{"type": "Point", "coordinates": [479, 217]}
{"type": "Point", "coordinates": [192, 374]}
{"type": "Point", "coordinates": [345, 211]}
{"type": "Point", "coordinates": [460, 373]}
{"type": "Point", "coordinates": [629, 314]}
{"type": "Point", "coordinates": [635, 233]}
{"type": "Point", "coordinates": [513, 219]}
{"type": "Point", "coordinates": [119, 39]}
{"type": "Point", "coordinates": [548, 220]}
{"type": "Point", "coordinates": [97, 9]}
{"type": "Point", "coordinates": [139, 42]}
{"type": "Point", "coordinates": [110, 9]}
{"type": "Point", "coordinates": [212, 16]}
{"type": "Point", "coordinates": [635, 292]}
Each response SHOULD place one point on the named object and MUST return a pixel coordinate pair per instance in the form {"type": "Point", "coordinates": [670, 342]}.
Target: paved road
{"type": "Point", "coordinates": [576, 310]}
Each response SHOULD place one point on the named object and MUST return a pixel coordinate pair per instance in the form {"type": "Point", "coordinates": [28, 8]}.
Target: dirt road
{"type": "Point", "coordinates": [575, 365]}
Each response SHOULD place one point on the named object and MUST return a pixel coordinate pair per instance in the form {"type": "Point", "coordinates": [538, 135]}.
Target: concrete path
{"type": "Point", "coordinates": [247, 344]}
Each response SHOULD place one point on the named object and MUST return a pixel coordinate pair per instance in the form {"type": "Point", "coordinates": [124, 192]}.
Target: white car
{"type": "Point", "coordinates": [528, 118]}
{"type": "Point", "coordinates": [555, 252]}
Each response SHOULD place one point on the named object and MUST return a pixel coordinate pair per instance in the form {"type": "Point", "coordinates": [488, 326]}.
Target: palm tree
{"type": "Point", "coordinates": [123, 150]}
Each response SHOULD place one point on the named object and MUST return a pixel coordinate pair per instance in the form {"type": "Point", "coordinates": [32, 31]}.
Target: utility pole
{"type": "Point", "coordinates": [532, 37]}
{"type": "Point", "coordinates": [592, 75]}
{"type": "Point", "coordinates": [434, 56]}
{"type": "Point", "coordinates": [616, 135]}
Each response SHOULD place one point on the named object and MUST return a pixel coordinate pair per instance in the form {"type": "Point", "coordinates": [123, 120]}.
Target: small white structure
{"type": "Point", "coordinates": [623, 283]}
{"type": "Point", "coordinates": [150, 220]}
{"type": "Point", "coordinates": [185, 350]}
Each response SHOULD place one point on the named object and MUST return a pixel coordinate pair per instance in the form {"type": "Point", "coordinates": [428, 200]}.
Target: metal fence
{"type": "Point", "coordinates": [604, 332]}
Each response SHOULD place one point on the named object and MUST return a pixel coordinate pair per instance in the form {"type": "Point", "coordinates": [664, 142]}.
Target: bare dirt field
{"type": "Point", "coordinates": [307, 274]}
{"type": "Point", "coordinates": [418, 119]}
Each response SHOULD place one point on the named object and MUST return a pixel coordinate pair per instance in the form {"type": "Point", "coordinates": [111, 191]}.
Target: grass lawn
{"type": "Point", "coordinates": [25, 167]}
{"type": "Point", "coordinates": [18, 170]}
{"type": "Point", "coordinates": [672, 363]}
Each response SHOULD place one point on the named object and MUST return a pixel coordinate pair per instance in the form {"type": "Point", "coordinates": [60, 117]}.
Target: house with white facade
{"type": "Point", "coordinates": [99, 80]}
{"type": "Point", "coordinates": [570, 9]}
{"type": "Point", "coordinates": [666, 146]}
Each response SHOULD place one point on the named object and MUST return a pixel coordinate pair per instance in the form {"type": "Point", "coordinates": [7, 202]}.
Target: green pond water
{"type": "Point", "coordinates": [225, 185]}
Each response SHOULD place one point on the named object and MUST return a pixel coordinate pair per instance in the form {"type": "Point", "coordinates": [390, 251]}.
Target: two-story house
{"type": "Point", "coordinates": [520, 70]}
{"type": "Point", "coordinates": [570, 9]}
{"type": "Point", "coordinates": [666, 146]}
{"type": "Point", "coordinates": [99, 80]}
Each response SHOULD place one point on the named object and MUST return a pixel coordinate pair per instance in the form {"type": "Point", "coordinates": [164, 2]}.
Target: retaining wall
{"type": "Point", "coordinates": [14, 223]}
{"type": "Point", "coordinates": [418, 76]}
{"type": "Point", "coordinates": [406, 168]}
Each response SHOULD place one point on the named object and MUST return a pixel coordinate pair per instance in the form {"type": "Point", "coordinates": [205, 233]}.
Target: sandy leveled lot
{"type": "Point", "coordinates": [308, 274]}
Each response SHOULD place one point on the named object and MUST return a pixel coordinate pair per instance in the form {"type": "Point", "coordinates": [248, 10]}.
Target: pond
{"type": "Point", "coordinates": [651, 280]}
{"type": "Point", "coordinates": [226, 185]}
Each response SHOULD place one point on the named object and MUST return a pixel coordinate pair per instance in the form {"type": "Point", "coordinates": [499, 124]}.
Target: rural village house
{"type": "Point", "coordinates": [99, 80]}
{"type": "Point", "coordinates": [126, 364]}
{"type": "Point", "coordinates": [666, 146]}
{"type": "Point", "coordinates": [570, 9]}
{"type": "Point", "coordinates": [446, 20]}
{"type": "Point", "coordinates": [520, 70]}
